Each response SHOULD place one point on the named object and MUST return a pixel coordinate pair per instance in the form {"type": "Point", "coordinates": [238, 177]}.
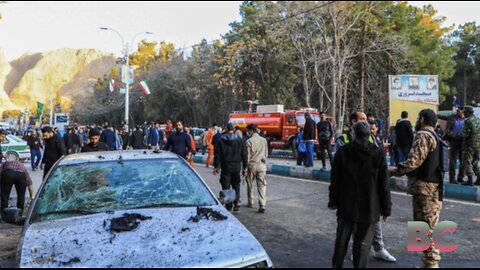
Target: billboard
{"type": "Point", "coordinates": [412, 93]}
{"type": "Point", "coordinates": [416, 88]}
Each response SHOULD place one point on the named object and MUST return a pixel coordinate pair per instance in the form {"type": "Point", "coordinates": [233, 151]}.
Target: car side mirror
{"type": "Point", "coordinates": [13, 216]}
{"type": "Point", "coordinates": [227, 196]}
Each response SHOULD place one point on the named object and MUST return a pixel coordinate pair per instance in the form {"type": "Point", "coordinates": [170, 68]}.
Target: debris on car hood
{"type": "Point", "coordinates": [168, 237]}
{"type": "Point", "coordinates": [207, 213]}
{"type": "Point", "coordinates": [126, 223]}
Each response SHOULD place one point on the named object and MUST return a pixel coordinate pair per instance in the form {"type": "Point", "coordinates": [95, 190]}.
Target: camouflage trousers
{"type": "Point", "coordinates": [470, 161]}
{"type": "Point", "coordinates": [426, 208]}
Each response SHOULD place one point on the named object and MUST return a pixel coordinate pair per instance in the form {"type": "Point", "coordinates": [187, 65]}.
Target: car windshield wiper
{"type": "Point", "coordinates": [166, 205]}
{"type": "Point", "coordinates": [68, 212]}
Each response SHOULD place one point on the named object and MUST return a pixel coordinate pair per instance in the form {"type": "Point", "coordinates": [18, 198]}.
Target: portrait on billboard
{"type": "Point", "coordinates": [396, 82]}
{"type": "Point", "coordinates": [413, 82]}
{"type": "Point", "coordinates": [432, 83]}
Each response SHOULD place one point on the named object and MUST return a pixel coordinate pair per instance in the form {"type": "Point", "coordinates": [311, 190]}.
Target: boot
{"type": "Point", "coordinates": [460, 180]}
{"type": "Point", "coordinates": [469, 182]}
{"type": "Point", "coordinates": [453, 181]}
{"type": "Point", "coordinates": [477, 183]}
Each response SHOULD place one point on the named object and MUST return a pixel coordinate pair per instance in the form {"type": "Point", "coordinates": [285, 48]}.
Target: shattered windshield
{"type": "Point", "coordinates": [88, 188]}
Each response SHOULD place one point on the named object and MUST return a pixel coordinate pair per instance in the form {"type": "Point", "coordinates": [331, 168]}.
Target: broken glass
{"type": "Point", "coordinates": [107, 186]}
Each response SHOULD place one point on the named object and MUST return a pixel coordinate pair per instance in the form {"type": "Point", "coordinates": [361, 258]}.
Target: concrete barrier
{"type": "Point", "coordinates": [466, 193]}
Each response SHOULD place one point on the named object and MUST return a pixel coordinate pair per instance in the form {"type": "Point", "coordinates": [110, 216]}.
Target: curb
{"type": "Point", "coordinates": [452, 191]}
{"type": "Point", "coordinates": [288, 154]}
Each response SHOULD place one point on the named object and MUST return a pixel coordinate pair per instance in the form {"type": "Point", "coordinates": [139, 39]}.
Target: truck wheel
{"type": "Point", "coordinates": [12, 156]}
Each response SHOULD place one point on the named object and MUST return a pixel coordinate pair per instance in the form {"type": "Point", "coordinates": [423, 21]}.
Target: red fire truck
{"type": "Point", "coordinates": [280, 125]}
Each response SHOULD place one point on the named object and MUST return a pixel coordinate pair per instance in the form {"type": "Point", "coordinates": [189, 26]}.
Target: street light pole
{"type": "Point", "coordinates": [126, 47]}
{"type": "Point", "coordinates": [127, 89]}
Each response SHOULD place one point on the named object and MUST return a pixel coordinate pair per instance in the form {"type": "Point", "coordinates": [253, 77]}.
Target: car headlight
{"type": "Point", "coordinates": [262, 264]}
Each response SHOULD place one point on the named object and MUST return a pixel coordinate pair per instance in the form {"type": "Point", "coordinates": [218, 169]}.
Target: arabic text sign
{"type": "Point", "coordinates": [418, 88]}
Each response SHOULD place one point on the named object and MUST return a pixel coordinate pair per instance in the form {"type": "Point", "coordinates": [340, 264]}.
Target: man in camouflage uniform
{"type": "Point", "coordinates": [471, 145]}
{"type": "Point", "coordinates": [425, 181]}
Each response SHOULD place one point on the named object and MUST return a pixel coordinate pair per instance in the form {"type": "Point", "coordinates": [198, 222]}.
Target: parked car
{"type": "Point", "coordinates": [132, 209]}
{"type": "Point", "coordinates": [198, 134]}
{"type": "Point", "coordinates": [15, 148]}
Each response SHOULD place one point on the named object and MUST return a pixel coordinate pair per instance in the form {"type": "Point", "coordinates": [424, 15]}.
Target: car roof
{"type": "Point", "coordinates": [115, 156]}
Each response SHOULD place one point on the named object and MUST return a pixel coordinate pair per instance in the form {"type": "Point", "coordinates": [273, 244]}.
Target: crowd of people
{"type": "Point", "coordinates": [234, 153]}
{"type": "Point", "coordinates": [417, 152]}
{"type": "Point", "coordinates": [359, 189]}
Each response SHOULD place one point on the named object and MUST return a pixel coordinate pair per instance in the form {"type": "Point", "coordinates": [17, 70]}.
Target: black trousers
{"type": "Point", "coordinates": [231, 179]}
{"type": "Point", "coordinates": [324, 145]}
{"type": "Point", "coordinates": [10, 179]}
{"type": "Point", "coordinates": [362, 242]}
{"type": "Point", "coordinates": [47, 168]}
{"type": "Point", "coordinates": [455, 153]}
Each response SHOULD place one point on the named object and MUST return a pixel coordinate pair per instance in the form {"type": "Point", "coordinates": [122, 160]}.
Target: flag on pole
{"type": "Point", "coordinates": [112, 84]}
{"type": "Point", "coordinates": [39, 110]}
{"type": "Point", "coordinates": [144, 87]}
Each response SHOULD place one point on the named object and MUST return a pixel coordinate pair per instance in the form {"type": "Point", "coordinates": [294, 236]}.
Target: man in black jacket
{"type": "Point", "coordinates": [230, 154]}
{"type": "Point", "coordinates": [179, 142]}
{"type": "Point", "coordinates": [94, 144]}
{"type": "Point", "coordinates": [35, 144]}
{"type": "Point", "coordinates": [309, 136]}
{"type": "Point", "coordinates": [68, 141]}
{"type": "Point", "coordinates": [325, 135]}
{"type": "Point", "coordinates": [404, 137]}
{"type": "Point", "coordinates": [136, 140]}
{"type": "Point", "coordinates": [360, 192]}
{"type": "Point", "coordinates": [453, 136]}
{"type": "Point", "coordinates": [54, 149]}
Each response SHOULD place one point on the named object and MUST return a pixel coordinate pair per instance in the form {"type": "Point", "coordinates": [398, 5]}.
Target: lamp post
{"type": "Point", "coordinates": [126, 52]}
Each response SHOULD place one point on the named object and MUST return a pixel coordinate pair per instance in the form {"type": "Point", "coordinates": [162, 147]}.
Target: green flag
{"type": "Point", "coordinates": [39, 111]}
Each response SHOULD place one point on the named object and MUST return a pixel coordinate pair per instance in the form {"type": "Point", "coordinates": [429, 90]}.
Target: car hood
{"type": "Point", "coordinates": [167, 240]}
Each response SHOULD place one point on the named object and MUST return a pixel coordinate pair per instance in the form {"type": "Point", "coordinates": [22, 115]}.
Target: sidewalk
{"type": "Point", "coordinates": [289, 168]}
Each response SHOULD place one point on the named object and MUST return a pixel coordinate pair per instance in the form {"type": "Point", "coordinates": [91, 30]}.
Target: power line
{"type": "Point", "coordinates": [211, 42]}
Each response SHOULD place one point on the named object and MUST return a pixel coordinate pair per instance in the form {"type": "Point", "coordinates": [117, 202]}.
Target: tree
{"type": "Point", "coordinates": [466, 41]}
{"type": "Point", "coordinates": [145, 54]}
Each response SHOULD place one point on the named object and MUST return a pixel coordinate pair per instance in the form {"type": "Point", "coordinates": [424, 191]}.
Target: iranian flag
{"type": "Point", "coordinates": [144, 87]}
{"type": "Point", "coordinates": [112, 84]}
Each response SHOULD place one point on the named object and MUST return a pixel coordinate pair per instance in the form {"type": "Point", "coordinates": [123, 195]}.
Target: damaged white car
{"type": "Point", "coordinates": [132, 209]}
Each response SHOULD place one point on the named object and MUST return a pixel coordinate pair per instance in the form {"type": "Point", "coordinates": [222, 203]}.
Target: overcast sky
{"type": "Point", "coordinates": [45, 26]}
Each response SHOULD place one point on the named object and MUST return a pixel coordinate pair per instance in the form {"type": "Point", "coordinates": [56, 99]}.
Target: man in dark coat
{"type": "Point", "coordinates": [360, 192]}
{"type": "Point", "coordinates": [325, 134]}
{"type": "Point", "coordinates": [136, 140]}
{"type": "Point", "coordinates": [404, 137]}
{"type": "Point", "coordinates": [109, 138]}
{"type": "Point", "coordinates": [230, 155]}
{"type": "Point", "coordinates": [68, 141]}
{"type": "Point", "coordinates": [94, 144]}
{"type": "Point", "coordinates": [54, 149]}
{"type": "Point", "coordinates": [35, 145]}
{"type": "Point", "coordinates": [453, 133]}
{"type": "Point", "coordinates": [179, 142]}
{"type": "Point", "coordinates": [309, 136]}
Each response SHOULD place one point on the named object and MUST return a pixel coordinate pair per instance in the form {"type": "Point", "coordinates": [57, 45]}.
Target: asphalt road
{"type": "Point", "coordinates": [298, 230]}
